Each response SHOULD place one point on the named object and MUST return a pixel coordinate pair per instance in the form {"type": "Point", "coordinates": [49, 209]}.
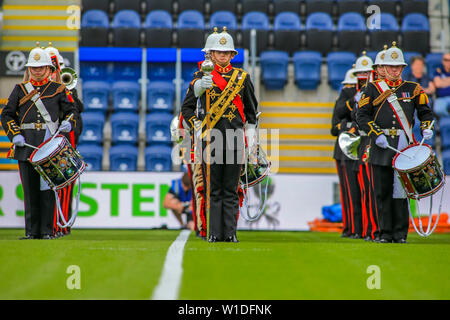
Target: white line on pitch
{"type": "Point", "coordinates": [170, 280]}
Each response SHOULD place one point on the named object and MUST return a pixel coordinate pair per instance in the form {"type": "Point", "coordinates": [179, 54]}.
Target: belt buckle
{"type": "Point", "coordinates": [38, 126]}
{"type": "Point", "coordinates": [393, 132]}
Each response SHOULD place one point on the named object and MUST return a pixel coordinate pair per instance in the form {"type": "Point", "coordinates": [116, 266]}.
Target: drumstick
{"type": "Point", "coordinates": [29, 145]}
{"type": "Point", "coordinates": [402, 153]}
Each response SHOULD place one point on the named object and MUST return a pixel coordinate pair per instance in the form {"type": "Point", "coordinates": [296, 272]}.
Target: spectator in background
{"type": "Point", "coordinates": [178, 199]}
{"type": "Point", "coordinates": [442, 82]}
{"type": "Point", "coordinates": [418, 74]}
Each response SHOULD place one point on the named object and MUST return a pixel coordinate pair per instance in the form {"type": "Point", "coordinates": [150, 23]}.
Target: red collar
{"type": "Point", "coordinates": [393, 83]}
{"type": "Point", "coordinates": [223, 70]}
{"type": "Point", "coordinates": [38, 83]}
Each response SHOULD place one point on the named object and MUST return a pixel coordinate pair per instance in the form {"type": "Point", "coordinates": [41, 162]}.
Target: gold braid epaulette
{"type": "Point", "coordinates": [380, 99]}
{"type": "Point", "coordinates": [27, 97]}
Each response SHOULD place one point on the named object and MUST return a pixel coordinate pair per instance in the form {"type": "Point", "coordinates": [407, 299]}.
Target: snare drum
{"type": "Point", "coordinates": [57, 162]}
{"type": "Point", "coordinates": [420, 173]}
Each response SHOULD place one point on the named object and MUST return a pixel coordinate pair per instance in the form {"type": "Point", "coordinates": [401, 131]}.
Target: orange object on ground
{"type": "Point", "coordinates": [443, 226]}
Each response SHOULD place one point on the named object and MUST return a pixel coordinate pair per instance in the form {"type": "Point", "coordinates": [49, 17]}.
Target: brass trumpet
{"type": "Point", "coordinates": [69, 77]}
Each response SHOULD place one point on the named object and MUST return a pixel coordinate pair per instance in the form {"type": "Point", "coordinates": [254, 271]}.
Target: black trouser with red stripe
{"type": "Point", "coordinates": [369, 209]}
{"type": "Point", "coordinates": [39, 205]}
{"type": "Point", "coordinates": [340, 166]}
{"type": "Point", "coordinates": [393, 213]}
{"type": "Point", "coordinates": [353, 190]}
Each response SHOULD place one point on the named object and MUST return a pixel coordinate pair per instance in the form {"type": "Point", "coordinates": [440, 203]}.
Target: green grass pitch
{"type": "Point", "coordinates": [127, 264]}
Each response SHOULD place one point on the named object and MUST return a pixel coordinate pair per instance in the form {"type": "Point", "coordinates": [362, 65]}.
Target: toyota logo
{"type": "Point", "coordinates": [15, 61]}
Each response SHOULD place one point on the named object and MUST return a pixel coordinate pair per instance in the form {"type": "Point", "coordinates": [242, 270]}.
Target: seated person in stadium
{"type": "Point", "coordinates": [418, 74]}
{"type": "Point", "coordinates": [441, 80]}
{"type": "Point", "coordinates": [178, 199]}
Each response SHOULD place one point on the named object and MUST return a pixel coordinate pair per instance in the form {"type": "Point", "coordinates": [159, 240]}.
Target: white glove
{"type": "Point", "coordinates": [19, 140]}
{"type": "Point", "coordinates": [382, 141]}
{"type": "Point", "coordinates": [358, 96]}
{"type": "Point", "coordinates": [201, 85]}
{"type": "Point", "coordinates": [427, 134]}
{"type": "Point", "coordinates": [65, 126]}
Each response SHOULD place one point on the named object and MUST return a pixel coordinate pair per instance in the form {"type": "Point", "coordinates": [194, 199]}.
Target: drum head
{"type": "Point", "coordinates": [47, 149]}
{"type": "Point", "coordinates": [418, 154]}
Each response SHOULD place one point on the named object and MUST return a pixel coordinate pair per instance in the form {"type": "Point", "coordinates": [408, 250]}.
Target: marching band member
{"type": "Point", "coordinates": [339, 125]}
{"type": "Point", "coordinates": [386, 113]}
{"type": "Point", "coordinates": [35, 110]}
{"type": "Point", "coordinates": [233, 104]}
{"type": "Point", "coordinates": [363, 67]}
{"type": "Point", "coordinates": [66, 193]}
{"type": "Point", "coordinates": [369, 210]}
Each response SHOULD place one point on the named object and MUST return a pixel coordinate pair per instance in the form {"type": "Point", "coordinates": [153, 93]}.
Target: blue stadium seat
{"type": "Point", "coordinates": [373, 54]}
{"type": "Point", "coordinates": [307, 69]}
{"type": "Point", "coordinates": [286, 6]}
{"type": "Point", "coordinates": [127, 71]}
{"type": "Point", "coordinates": [93, 70]}
{"type": "Point", "coordinates": [446, 161]}
{"type": "Point", "coordinates": [313, 6]}
{"type": "Point", "coordinates": [187, 71]}
{"type": "Point", "coordinates": [93, 123]}
{"type": "Point", "coordinates": [222, 19]}
{"type": "Point", "coordinates": [351, 32]}
{"type": "Point", "coordinates": [92, 155]}
{"type": "Point", "coordinates": [124, 128]}
{"type": "Point", "coordinates": [191, 29]}
{"type": "Point", "coordinates": [161, 71]}
{"type": "Point", "coordinates": [123, 158]}
{"type": "Point", "coordinates": [158, 158]}
{"type": "Point", "coordinates": [287, 29]}
{"type": "Point", "coordinates": [158, 127]}
{"type": "Point", "coordinates": [338, 64]}
{"type": "Point", "coordinates": [255, 5]}
{"type": "Point", "coordinates": [274, 66]}
{"type": "Point", "coordinates": [444, 125]}
{"type": "Point", "coordinates": [260, 22]}
{"type": "Point", "coordinates": [184, 88]}
{"type": "Point", "coordinates": [433, 61]}
{"type": "Point", "coordinates": [126, 95]}
{"type": "Point", "coordinates": [96, 95]}
{"type": "Point", "coordinates": [319, 32]}
{"type": "Point", "coordinates": [160, 96]}
{"type": "Point", "coordinates": [158, 29]}
{"type": "Point", "coordinates": [94, 29]}
{"type": "Point", "coordinates": [416, 33]}
{"type": "Point", "coordinates": [384, 33]}
{"type": "Point", "coordinates": [126, 28]}
{"type": "Point", "coordinates": [407, 56]}
{"type": "Point", "coordinates": [386, 6]}
{"type": "Point", "coordinates": [344, 6]}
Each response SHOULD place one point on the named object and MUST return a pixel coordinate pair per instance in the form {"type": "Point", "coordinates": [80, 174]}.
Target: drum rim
{"type": "Point", "coordinates": [408, 147]}
{"type": "Point", "coordinates": [50, 155]}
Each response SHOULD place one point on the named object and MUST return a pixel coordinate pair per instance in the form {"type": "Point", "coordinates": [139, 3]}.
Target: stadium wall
{"type": "Point", "coordinates": [134, 201]}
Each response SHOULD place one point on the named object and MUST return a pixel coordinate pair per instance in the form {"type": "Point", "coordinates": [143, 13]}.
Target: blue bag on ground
{"type": "Point", "coordinates": [332, 213]}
